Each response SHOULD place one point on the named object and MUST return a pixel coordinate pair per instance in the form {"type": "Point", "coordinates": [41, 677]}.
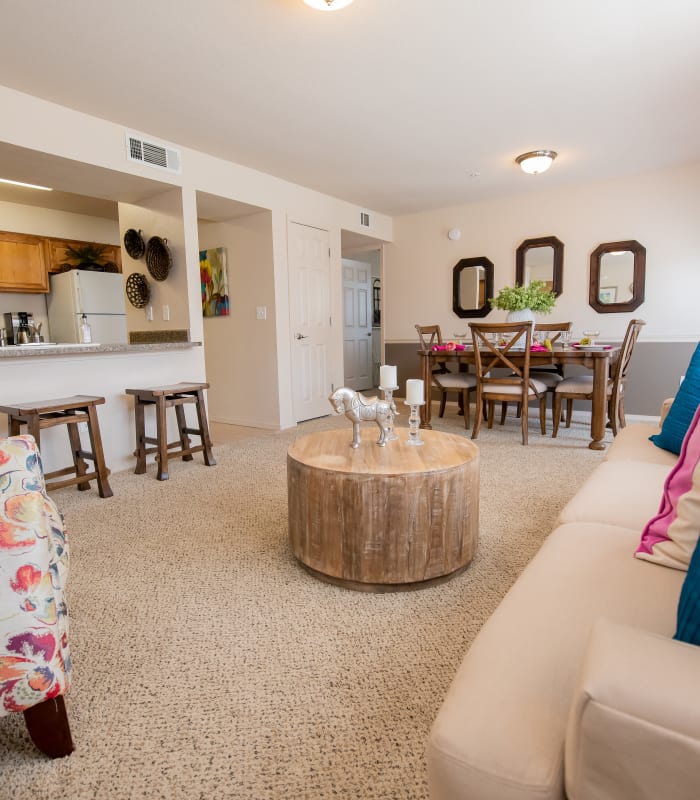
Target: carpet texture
{"type": "Point", "coordinates": [208, 664]}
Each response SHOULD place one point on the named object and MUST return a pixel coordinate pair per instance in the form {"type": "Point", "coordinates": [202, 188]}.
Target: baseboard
{"type": "Point", "coordinates": [245, 423]}
{"type": "Point", "coordinates": [642, 418]}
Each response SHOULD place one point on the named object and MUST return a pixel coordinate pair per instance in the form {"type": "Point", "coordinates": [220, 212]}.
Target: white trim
{"type": "Point", "coordinates": [244, 423]}
{"type": "Point", "coordinates": [642, 418]}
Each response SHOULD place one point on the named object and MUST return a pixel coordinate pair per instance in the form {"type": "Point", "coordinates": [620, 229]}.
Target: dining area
{"type": "Point", "coordinates": [515, 363]}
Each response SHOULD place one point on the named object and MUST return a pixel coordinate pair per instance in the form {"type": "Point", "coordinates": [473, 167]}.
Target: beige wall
{"type": "Point", "coordinates": [29, 122]}
{"type": "Point", "coordinates": [659, 209]}
{"type": "Point", "coordinates": [239, 349]}
{"type": "Point", "coordinates": [158, 216]}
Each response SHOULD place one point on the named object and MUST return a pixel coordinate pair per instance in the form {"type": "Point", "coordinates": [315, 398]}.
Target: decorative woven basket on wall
{"type": "Point", "coordinates": [158, 258]}
{"type": "Point", "coordinates": [134, 244]}
{"type": "Point", "coordinates": [137, 290]}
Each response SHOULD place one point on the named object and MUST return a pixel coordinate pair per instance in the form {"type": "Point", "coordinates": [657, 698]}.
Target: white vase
{"type": "Point", "coordinates": [521, 315]}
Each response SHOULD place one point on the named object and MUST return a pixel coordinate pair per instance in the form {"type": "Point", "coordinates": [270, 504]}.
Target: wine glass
{"type": "Point", "coordinates": [565, 338]}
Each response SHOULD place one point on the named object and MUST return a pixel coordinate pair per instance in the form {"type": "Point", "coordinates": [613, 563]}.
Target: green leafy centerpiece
{"type": "Point", "coordinates": [534, 296]}
{"type": "Point", "coordinates": [522, 301]}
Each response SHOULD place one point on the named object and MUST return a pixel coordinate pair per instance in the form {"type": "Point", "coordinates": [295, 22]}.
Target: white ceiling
{"type": "Point", "coordinates": [392, 104]}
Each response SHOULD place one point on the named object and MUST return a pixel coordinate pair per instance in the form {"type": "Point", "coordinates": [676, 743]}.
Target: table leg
{"type": "Point", "coordinates": [601, 368]}
{"type": "Point", "coordinates": [426, 409]}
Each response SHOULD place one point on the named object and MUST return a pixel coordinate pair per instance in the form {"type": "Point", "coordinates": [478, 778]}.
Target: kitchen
{"type": "Point", "coordinates": [85, 299]}
{"type": "Point", "coordinates": [111, 362]}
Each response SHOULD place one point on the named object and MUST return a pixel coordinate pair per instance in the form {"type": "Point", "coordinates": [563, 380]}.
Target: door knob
{"type": "Point", "coordinates": [369, 334]}
{"type": "Point", "coordinates": [299, 336]}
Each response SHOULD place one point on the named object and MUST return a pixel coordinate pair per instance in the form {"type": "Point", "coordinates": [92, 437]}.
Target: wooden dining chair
{"type": "Point", "coordinates": [516, 385]}
{"type": "Point", "coordinates": [442, 378]}
{"type": "Point", "coordinates": [580, 387]}
{"type": "Point", "coordinates": [549, 374]}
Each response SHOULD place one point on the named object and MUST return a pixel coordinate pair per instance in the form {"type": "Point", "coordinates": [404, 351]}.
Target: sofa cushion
{"type": "Point", "coordinates": [688, 629]}
{"type": "Point", "coordinates": [681, 413]}
{"type": "Point", "coordinates": [632, 444]}
{"type": "Point", "coordinates": [626, 738]}
{"type": "Point", "coordinates": [500, 732]}
{"type": "Point", "coordinates": [622, 493]}
{"type": "Point", "coordinates": [669, 538]}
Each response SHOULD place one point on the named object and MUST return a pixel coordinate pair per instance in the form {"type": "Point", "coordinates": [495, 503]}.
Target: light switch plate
{"type": "Point", "coordinates": [261, 312]}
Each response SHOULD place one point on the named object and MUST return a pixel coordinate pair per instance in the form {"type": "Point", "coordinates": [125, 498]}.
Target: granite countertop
{"type": "Point", "coordinates": [33, 350]}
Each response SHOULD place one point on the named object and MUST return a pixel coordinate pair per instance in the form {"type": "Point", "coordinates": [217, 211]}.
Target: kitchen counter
{"type": "Point", "coordinates": [33, 350]}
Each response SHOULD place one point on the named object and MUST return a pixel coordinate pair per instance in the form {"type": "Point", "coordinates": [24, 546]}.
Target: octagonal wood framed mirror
{"type": "Point", "coordinates": [472, 285]}
{"type": "Point", "coordinates": [541, 260]}
{"type": "Point", "coordinates": [617, 275]}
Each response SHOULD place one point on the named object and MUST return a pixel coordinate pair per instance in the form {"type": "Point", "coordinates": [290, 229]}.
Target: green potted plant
{"type": "Point", "coordinates": [87, 256]}
{"type": "Point", "coordinates": [533, 297]}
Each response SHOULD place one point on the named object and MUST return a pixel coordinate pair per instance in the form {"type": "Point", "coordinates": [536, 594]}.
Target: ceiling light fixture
{"type": "Point", "coordinates": [328, 5]}
{"type": "Point", "coordinates": [536, 161]}
{"type": "Point", "coordinates": [26, 185]}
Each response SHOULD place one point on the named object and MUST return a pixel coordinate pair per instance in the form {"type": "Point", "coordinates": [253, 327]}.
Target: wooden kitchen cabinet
{"type": "Point", "coordinates": [22, 263]}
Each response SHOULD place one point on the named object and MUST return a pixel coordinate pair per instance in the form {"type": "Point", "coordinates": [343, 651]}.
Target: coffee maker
{"type": "Point", "coordinates": [18, 325]}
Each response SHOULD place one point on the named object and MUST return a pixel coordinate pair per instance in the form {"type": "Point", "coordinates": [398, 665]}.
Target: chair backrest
{"type": "Point", "coordinates": [429, 335]}
{"type": "Point", "coordinates": [489, 355]}
{"type": "Point", "coordinates": [556, 327]}
{"type": "Point", "coordinates": [621, 367]}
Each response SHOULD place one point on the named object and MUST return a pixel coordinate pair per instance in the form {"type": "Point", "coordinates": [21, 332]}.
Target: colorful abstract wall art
{"type": "Point", "coordinates": [214, 277]}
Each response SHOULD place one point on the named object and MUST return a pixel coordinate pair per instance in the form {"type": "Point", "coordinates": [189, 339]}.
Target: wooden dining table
{"type": "Point", "coordinates": [598, 361]}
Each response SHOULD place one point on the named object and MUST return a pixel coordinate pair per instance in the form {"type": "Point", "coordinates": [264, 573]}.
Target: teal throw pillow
{"type": "Point", "coordinates": [682, 409]}
{"type": "Point", "coordinates": [689, 603]}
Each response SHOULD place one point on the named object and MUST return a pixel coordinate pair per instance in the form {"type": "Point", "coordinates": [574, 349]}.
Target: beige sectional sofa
{"type": "Point", "coordinates": [575, 687]}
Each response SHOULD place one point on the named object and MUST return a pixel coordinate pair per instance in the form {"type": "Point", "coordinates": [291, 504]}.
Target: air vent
{"type": "Point", "coordinates": [364, 219]}
{"type": "Point", "coordinates": [152, 153]}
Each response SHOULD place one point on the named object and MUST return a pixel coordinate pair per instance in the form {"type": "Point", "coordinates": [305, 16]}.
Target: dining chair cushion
{"type": "Point", "coordinates": [549, 379]}
{"type": "Point", "coordinates": [578, 384]}
{"type": "Point", "coordinates": [671, 536]}
{"type": "Point", "coordinates": [688, 629]}
{"type": "Point", "coordinates": [536, 386]}
{"type": "Point", "coordinates": [682, 409]}
{"type": "Point", "coordinates": [455, 380]}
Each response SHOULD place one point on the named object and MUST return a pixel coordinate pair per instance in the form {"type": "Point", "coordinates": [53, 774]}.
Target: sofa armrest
{"type": "Point", "coordinates": [634, 725]}
{"type": "Point", "coordinates": [665, 406]}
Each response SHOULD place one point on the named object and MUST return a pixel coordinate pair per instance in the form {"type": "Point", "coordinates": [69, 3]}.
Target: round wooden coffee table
{"type": "Point", "coordinates": [383, 519]}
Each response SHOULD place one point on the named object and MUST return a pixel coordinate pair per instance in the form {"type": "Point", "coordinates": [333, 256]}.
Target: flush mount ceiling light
{"type": "Point", "coordinates": [536, 161]}
{"type": "Point", "coordinates": [26, 185]}
{"type": "Point", "coordinates": [328, 5]}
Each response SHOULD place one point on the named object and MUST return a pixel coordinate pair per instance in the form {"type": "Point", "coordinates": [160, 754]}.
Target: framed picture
{"type": "Point", "coordinates": [213, 274]}
{"type": "Point", "coordinates": [607, 294]}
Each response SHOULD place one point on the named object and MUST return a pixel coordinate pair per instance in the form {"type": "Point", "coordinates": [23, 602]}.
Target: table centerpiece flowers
{"type": "Point", "coordinates": [521, 302]}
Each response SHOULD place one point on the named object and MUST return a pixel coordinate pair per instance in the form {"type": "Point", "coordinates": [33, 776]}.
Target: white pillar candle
{"type": "Point", "coordinates": [414, 391]}
{"type": "Point", "coordinates": [387, 376]}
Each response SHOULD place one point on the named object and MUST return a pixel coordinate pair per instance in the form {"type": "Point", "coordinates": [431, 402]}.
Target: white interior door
{"type": "Point", "coordinates": [310, 319]}
{"type": "Point", "coordinates": [357, 322]}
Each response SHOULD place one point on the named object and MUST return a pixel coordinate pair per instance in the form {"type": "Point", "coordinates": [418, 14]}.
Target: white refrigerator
{"type": "Point", "coordinates": [98, 295]}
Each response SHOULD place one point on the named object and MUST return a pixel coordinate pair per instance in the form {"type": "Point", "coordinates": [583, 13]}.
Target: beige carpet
{"type": "Point", "coordinates": [208, 664]}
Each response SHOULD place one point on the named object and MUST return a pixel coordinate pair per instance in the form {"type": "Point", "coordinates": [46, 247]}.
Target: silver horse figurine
{"type": "Point", "coordinates": [358, 408]}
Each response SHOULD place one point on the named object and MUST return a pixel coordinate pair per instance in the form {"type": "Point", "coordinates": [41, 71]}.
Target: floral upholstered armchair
{"type": "Point", "coordinates": [34, 655]}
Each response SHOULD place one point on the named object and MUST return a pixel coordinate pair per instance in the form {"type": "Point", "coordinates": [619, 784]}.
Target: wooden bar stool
{"type": "Point", "coordinates": [163, 397]}
{"type": "Point", "coordinates": [69, 411]}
